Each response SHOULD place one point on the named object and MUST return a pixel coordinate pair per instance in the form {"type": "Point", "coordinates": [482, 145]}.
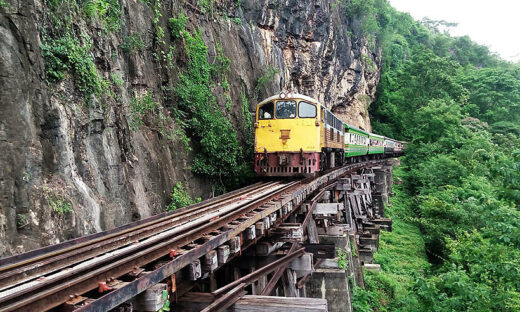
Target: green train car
{"type": "Point", "coordinates": [376, 145]}
{"type": "Point", "coordinates": [356, 141]}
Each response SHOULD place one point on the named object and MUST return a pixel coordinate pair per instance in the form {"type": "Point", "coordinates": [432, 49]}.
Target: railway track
{"type": "Point", "coordinates": [27, 280]}
{"type": "Point", "coordinates": [46, 278]}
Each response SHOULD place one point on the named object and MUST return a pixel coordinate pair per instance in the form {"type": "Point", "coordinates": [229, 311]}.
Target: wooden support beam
{"type": "Point", "coordinates": [151, 299]}
{"type": "Point", "coordinates": [289, 283]}
{"type": "Point", "coordinates": [384, 223]}
{"type": "Point", "coordinates": [210, 261]}
{"type": "Point", "coordinates": [312, 232]}
{"type": "Point", "coordinates": [260, 228]}
{"type": "Point", "coordinates": [223, 253]}
{"type": "Point", "coordinates": [302, 265]}
{"type": "Point", "coordinates": [266, 248]}
{"type": "Point", "coordinates": [234, 245]}
{"type": "Point", "coordinates": [287, 232]}
{"type": "Point", "coordinates": [259, 285]}
{"type": "Point", "coordinates": [194, 270]}
{"type": "Point", "coordinates": [277, 274]}
{"type": "Point", "coordinates": [248, 279]}
{"type": "Point", "coordinates": [321, 251]}
{"type": "Point", "coordinates": [328, 208]}
{"type": "Point", "coordinates": [250, 233]}
{"type": "Point", "coordinates": [226, 300]}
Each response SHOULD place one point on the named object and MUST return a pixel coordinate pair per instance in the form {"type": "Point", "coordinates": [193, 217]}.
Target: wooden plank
{"type": "Point", "coordinates": [280, 304]}
{"type": "Point", "coordinates": [327, 208]}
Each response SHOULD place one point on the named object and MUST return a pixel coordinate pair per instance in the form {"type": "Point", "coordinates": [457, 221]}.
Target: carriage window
{"type": "Point", "coordinates": [306, 110]}
{"type": "Point", "coordinates": [285, 109]}
{"type": "Point", "coordinates": [266, 111]}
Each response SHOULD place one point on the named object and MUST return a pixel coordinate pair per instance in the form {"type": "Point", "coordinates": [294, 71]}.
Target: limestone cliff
{"type": "Point", "coordinates": [68, 168]}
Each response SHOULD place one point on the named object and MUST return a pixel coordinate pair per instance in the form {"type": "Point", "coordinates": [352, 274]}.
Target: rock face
{"type": "Point", "coordinates": [68, 168]}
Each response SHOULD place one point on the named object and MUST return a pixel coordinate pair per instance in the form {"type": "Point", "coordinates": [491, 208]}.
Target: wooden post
{"type": "Point", "coordinates": [289, 284]}
{"type": "Point", "coordinates": [234, 245]}
{"type": "Point", "coordinates": [223, 254]}
{"type": "Point", "coordinates": [194, 270]}
{"type": "Point", "coordinates": [210, 261]}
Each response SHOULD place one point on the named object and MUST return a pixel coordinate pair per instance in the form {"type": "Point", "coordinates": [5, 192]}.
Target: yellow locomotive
{"type": "Point", "coordinates": [296, 135]}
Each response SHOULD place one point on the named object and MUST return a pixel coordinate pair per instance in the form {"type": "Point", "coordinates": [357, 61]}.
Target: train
{"type": "Point", "coordinates": [296, 135]}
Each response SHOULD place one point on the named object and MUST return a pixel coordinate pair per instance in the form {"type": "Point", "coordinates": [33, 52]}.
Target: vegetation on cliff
{"type": "Point", "coordinates": [458, 106]}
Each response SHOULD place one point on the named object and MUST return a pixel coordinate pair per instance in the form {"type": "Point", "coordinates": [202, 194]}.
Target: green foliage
{"type": "Point", "coordinates": [219, 154]}
{"type": "Point", "coordinates": [368, 18]}
{"type": "Point", "coordinates": [5, 4]}
{"type": "Point", "coordinates": [180, 198]}
{"type": "Point", "coordinates": [139, 108]}
{"type": "Point", "coordinates": [458, 107]}
{"type": "Point", "coordinates": [342, 259]}
{"type": "Point", "coordinates": [58, 203]}
{"type": "Point", "coordinates": [116, 79]}
{"type": "Point", "coordinates": [108, 11]}
{"type": "Point", "coordinates": [178, 26]}
{"type": "Point", "coordinates": [265, 78]}
{"type": "Point", "coordinates": [133, 43]}
{"type": "Point", "coordinates": [68, 54]}
{"type": "Point", "coordinates": [21, 220]}
{"type": "Point", "coordinates": [402, 257]}
{"type": "Point", "coordinates": [206, 6]}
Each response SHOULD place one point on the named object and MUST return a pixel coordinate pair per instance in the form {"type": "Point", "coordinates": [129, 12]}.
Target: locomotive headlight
{"type": "Point", "coordinates": [283, 95]}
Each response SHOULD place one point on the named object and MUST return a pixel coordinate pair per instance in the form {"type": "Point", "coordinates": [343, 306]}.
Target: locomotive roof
{"type": "Point", "coordinates": [290, 96]}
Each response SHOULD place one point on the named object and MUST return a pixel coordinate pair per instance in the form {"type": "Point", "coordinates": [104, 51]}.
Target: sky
{"type": "Point", "coordinates": [495, 24]}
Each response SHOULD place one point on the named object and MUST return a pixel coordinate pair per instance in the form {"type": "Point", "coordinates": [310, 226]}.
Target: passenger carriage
{"type": "Point", "coordinates": [356, 142]}
{"type": "Point", "coordinates": [376, 145]}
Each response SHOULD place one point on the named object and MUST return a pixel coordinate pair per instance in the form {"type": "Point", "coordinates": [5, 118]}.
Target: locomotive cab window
{"type": "Point", "coordinates": [306, 110]}
{"type": "Point", "coordinates": [266, 111]}
{"type": "Point", "coordinates": [285, 109]}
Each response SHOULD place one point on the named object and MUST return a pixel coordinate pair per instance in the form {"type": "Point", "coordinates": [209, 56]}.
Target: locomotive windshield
{"type": "Point", "coordinates": [285, 109]}
{"type": "Point", "coordinates": [306, 110]}
{"type": "Point", "coordinates": [266, 111]}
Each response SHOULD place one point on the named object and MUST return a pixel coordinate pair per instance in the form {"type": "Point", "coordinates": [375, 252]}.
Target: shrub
{"type": "Point", "coordinates": [68, 54]}
{"type": "Point", "coordinates": [133, 43]}
{"type": "Point", "coordinates": [180, 198]}
{"type": "Point", "coordinates": [139, 107]}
